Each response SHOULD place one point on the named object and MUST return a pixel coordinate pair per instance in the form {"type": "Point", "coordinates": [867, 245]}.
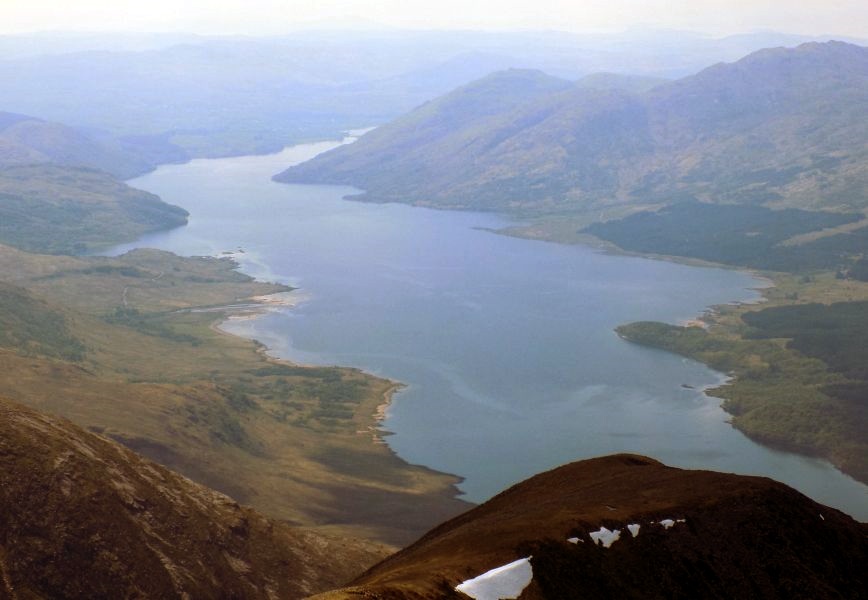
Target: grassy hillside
{"type": "Point", "coordinates": [298, 444]}
{"type": "Point", "coordinates": [66, 210]}
{"type": "Point", "coordinates": [781, 128]}
{"type": "Point", "coordinates": [34, 328]}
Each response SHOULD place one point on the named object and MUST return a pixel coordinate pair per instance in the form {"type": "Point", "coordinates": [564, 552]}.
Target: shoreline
{"type": "Point", "coordinates": [712, 315]}
{"type": "Point", "coordinates": [716, 316]}
{"type": "Point", "coordinates": [264, 304]}
{"type": "Point", "coordinates": [378, 434]}
{"type": "Point", "coordinates": [259, 306]}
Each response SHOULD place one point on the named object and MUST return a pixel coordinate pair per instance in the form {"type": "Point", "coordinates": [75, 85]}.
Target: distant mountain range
{"type": "Point", "coordinates": [781, 127]}
{"type": "Point", "coordinates": [215, 96]}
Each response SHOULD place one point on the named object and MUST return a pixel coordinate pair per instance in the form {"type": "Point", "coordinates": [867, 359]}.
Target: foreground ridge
{"type": "Point", "coordinates": [83, 517]}
{"type": "Point", "coordinates": [627, 526]}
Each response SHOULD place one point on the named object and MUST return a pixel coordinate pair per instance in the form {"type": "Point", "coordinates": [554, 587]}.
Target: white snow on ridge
{"type": "Point", "coordinates": [503, 583]}
{"type": "Point", "coordinates": [667, 523]}
{"type": "Point", "coordinates": [605, 537]}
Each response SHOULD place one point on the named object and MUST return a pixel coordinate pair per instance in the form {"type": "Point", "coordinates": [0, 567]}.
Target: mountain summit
{"type": "Point", "coordinates": [627, 526]}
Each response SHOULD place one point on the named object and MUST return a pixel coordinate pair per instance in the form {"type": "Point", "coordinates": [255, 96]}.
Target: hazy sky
{"type": "Point", "coordinates": [843, 17]}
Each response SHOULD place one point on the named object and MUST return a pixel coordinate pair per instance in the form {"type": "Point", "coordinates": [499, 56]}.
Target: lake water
{"type": "Point", "coordinates": [506, 345]}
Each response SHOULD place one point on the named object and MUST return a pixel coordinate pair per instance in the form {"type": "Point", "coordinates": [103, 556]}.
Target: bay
{"type": "Point", "coordinates": [506, 346]}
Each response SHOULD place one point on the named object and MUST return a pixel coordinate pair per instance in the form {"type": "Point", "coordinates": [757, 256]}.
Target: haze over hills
{"type": "Point", "coordinates": [234, 95]}
{"type": "Point", "coordinates": [781, 127]}
{"type": "Point", "coordinates": [762, 163]}
{"type": "Point", "coordinates": [13, 46]}
{"type": "Point", "coordinates": [700, 534]}
{"type": "Point", "coordinates": [734, 162]}
{"type": "Point", "coordinates": [59, 191]}
{"type": "Point", "coordinates": [26, 140]}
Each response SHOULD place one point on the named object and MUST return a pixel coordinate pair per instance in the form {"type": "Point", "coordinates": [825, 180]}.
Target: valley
{"type": "Point", "coordinates": [410, 313]}
{"type": "Point", "coordinates": [699, 170]}
{"type": "Point", "coordinates": [526, 338]}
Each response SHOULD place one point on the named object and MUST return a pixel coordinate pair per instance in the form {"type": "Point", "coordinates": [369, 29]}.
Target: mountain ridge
{"type": "Point", "coordinates": [700, 534]}
{"type": "Point", "coordinates": [730, 133]}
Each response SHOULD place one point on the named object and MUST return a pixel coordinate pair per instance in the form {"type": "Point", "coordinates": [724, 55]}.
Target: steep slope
{"type": "Point", "coordinates": [55, 209]}
{"type": "Point", "coordinates": [83, 517]}
{"type": "Point", "coordinates": [636, 84]}
{"type": "Point", "coordinates": [701, 534]}
{"type": "Point", "coordinates": [782, 127]}
{"type": "Point", "coordinates": [428, 147]}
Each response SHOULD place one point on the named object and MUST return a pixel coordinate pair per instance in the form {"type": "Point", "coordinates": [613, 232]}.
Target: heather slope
{"type": "Point", "coordinates": [83, 517]}
{"type": "Point", "coordinates": [429, 146]}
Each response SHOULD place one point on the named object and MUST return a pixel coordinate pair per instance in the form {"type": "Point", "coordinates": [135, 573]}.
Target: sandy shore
{"type": "Point", "coordinates": [261, 305]}
{"type": "Point", "coordinates": [697, 322]}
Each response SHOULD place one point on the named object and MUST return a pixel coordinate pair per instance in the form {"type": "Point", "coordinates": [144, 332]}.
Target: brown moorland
{"type": "Point", "coordinates": [83, 517]}
{"type": "Point", "coordinates": [741, 537]}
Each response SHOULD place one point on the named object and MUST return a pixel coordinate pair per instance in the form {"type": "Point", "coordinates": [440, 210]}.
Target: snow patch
{"type": "Point", "coordinates": [605, 537]}
{"type": "Point", "coordinates": [667, 523]}
{"type": "Point", "coordinates": [634, 529]}
{"type": "Point", "coordinates": [502, 583]}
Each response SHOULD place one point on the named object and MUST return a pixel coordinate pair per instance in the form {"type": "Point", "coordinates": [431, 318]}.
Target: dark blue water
{"type": "Point", "coordinates": [506, 345]}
